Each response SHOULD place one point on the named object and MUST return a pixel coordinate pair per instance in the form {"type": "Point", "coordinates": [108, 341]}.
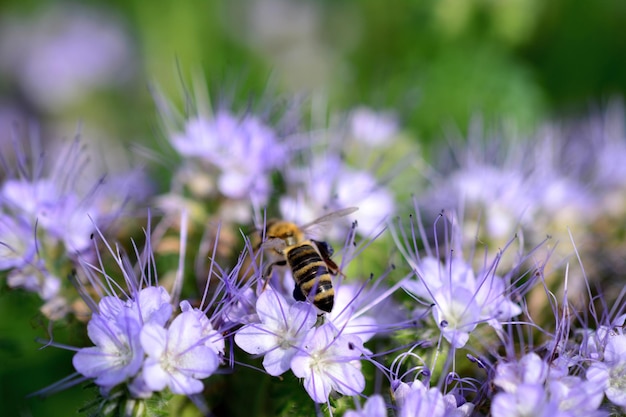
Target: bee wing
{"type": "Point", "coordinates": [329, 217]}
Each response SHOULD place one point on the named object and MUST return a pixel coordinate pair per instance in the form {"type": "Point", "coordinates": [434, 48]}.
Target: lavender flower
{"type": "Point", "coordinates": [117, 356]}
{"type": "Point", "coordinates": [415, 399]}
{"type": "Point", "coordinates": [461, 299]}
{"type": "Point", "coordinates": [531, 386]}
{"type": "Point", "coordinates": [48, 216]}
{"type": "Point", "coordinates": [244, 151]}
{"type": "Point", "coordinates": [327, 183]}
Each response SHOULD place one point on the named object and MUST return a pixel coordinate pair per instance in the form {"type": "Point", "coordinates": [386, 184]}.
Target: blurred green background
{"type": "Point", "coordinates": [436, 64]}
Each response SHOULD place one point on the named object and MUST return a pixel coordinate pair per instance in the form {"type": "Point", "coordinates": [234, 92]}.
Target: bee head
{"type": "Point", "coordinates": [284, 230]}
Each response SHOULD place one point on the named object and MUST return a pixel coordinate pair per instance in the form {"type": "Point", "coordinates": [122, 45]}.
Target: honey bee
{"type": "Point", "coordinates": [308, 259]}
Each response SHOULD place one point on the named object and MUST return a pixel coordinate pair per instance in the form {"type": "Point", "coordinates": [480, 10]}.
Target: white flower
{"type": "Point", "coordinates": [281, 331]}
{"type": "Point", "coordinates": [329, 362]}
{"type": "Point", "coordinates": [178, 356]}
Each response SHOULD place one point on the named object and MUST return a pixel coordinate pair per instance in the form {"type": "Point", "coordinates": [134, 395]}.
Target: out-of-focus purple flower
{"type": "Point", "coordinates": [17, 242]}
{"type": "Point", "coordinates": [374, 407]}
{"type": "Point", "coordinates": [178, 356]}
{"type": "Point", "coordinates": [280, 333]}
{"type": "Point", "coordinates": [327, 362]}
{"type": "Point", "coordinates": [244, 151]}
{"type": "Point", "coordinates": [63, 53]}
{"type": "Point", "coordinates": [527, 400]}
{"type": "Point", "coordinates": [415, 400]}
{"type": "Point", "coordinates": [530, 369]}
{"type": "Point", "coordinates": [328, 184]}
{"type": "Point", "coordinates": [61, 213]}
{"type": "Point", "coordinates": [54, 204]}
{"type": "Point", "coordinates": [373, 128]}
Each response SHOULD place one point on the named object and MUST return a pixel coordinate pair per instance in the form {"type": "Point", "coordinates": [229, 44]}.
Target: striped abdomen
{"type": "Point", "coordinates": [311, 274]}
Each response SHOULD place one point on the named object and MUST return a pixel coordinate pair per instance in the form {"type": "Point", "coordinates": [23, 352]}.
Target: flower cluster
{"type": "Point", "coordinates": [460, 306]}
{"type": "Point", "coordinates": [324, 357]}
{"type": "Point", "coordinates": [49, 210]}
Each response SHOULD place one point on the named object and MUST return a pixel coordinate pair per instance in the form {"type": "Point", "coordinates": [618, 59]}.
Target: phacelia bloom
{"type": "Point", "coordinates": [460, 298]}
{"type": "Point", "coordinates": [327, 184]}
{"type": "Point", "coordinates": [242, 150]}
{"type": "Point", "coordinates": [178, 356]}
{"type": "Point", "coordinates": [49, 213]}
{"type": "Point", "coordinates": [373, 128]}
{"type": "Point", "coordinates": [364, 312]}
{"type": "Point", "coordinates": [279, 334]}
{"type": "Point", "coordinates": [117, 355]}
{"type": "Point", "coordinates": [530, 385]}
{"type": "Point", "coordinates": [328, 361]}
{"type": "Point", "coordinates": [415, 400]}
{"type": "Point", "coordinates": [610, 374]}
{"type": "Point", "coordinates": [527, 400]}
{"type": "Point", "coordinates": [374, 407]}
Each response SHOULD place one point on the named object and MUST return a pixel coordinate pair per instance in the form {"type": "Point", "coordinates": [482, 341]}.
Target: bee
{"type": "Point", "coordinates": [308, 259]}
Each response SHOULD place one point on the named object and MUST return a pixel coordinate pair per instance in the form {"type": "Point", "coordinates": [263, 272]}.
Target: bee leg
{"type": "Point", "coordinates": [325, 248]}
{"type": "Point", "coordinates": [267, 274]}
{"type": "Point", "coordinates": [297, 294]}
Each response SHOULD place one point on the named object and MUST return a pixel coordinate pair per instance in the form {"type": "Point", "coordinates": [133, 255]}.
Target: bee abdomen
{"type": "Point", "coordinates": [325, 297]}
{"type": "Point", "coordinates": [311, 274]}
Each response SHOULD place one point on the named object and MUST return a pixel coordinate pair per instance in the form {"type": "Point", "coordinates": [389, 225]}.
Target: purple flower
{"type": "Point", "coordinates": [280, 334]}
{"type": "Point", "coordinates": [327, 183]}
{"type": "Point", "coordinates": [117, 356]}
{"type": "Point", "coordinates": [178, 357]}
{"type": "Point", "coordinates": [415, 400]}
{"type": "Point", "coordinates": [461, 298]}
{"type": "Point", "coordinates": [373, 128]}
{"type": "Point", "coordinates": [328, 362]}
{"type": "Point", "coordinates": [526, 400]}
{"type": "Point", "coordinates": [530, 369]}
{"type": "Point", "coordinates": [244, 151]}
{"type": "Point", "coordinates": [374, 407]}
{"type": "Point", "coordinates": [610, 374]}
